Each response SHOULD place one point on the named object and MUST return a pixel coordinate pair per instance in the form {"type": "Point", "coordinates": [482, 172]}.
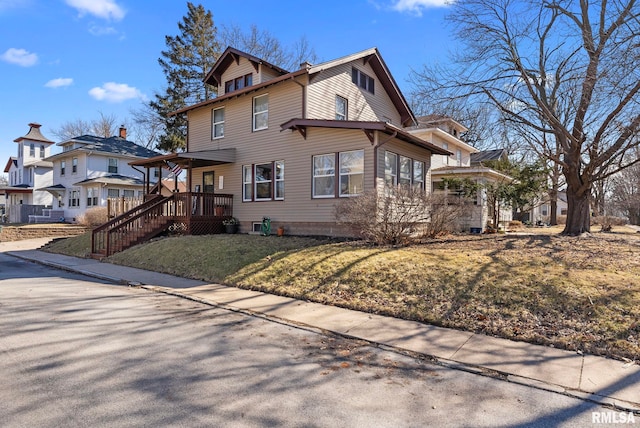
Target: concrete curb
{"type": "Point", "coordinates": [610, 402]}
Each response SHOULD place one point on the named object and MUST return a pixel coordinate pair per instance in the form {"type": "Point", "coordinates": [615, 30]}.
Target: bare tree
{"type": "Point", "coordinates": [105, 126]}
{"type": "Point", "coordinates": [4, 180]}
{"type": "Point", "coordinates": [264, 45]}
{"type": "Point", "coordinates": [625, 192]}
{"type": "Point", "coordinates": [564, 69]}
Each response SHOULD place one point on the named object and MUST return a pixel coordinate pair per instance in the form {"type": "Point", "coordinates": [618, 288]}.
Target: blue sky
{"type": "Point", "coordinates": [63, 60]}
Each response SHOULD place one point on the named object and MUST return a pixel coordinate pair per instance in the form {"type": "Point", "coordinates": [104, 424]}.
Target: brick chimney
{"type": "Point", "coordinates": [123, 132]}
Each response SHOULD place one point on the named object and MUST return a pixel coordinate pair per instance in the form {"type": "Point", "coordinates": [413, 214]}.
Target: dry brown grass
{"type": "Point", "coordinates": [578, 293]}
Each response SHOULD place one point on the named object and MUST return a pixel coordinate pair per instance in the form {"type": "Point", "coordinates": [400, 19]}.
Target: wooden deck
{"type": "Point", "coordinates": [186, 213]}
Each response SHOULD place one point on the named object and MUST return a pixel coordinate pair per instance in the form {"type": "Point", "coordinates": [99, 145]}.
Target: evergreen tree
{"type": "Point", "coordinates": [185, 63]}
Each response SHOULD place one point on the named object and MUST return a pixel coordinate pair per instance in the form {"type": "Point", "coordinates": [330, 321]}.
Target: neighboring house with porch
{"type": "Point", "coordinates": [92, 169]}
{"type": "Point", "coordinates": [290, 145]}
{"type": "Point", "coordinates": [27, 173]}
{"type": "Point", "coordinates": [464, 162]}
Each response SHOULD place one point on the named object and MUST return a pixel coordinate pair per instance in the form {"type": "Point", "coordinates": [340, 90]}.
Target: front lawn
{"type": "Point", "coordinates": [577, 293]}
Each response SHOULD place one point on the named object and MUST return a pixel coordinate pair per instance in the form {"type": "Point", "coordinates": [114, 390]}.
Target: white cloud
{"type": "Point", "coordinates": [59, 82]}
{"type": "Point", "coordinates": [115, 92]}
{"type": "Point", "coordinates": [20, 57]}
{"type": "Point", "coordinates": [98, 30]}
{"type": "Point", "coordinates": [416, 6]}
{"type": "Point", "coordinates": [106, 9]}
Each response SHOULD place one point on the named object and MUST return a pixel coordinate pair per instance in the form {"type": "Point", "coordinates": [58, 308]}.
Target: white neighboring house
{"type": "Point", "coordinates": [27, 174]}
{"type": "Point", "coordinates": [92, 169]}
{"type": "Point", "coordinates": [464, 163]}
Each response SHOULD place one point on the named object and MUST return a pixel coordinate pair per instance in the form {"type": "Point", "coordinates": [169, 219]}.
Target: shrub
{"type": "Point", "coordinates": [93, 217]}
{"type": "Point", "coordinates": [400, 216]}
{"type": "Point", "coordinates": [515, 224]}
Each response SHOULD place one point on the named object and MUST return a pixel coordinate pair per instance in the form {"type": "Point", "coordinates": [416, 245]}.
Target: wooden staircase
{"type": "Point", "coordinates": [133, 227]}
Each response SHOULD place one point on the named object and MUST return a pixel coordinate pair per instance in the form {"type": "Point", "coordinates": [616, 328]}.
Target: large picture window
{"type": "Point", "coordinates": [263, 182]}
{"type": "Point", "coordinates": [217, 123]}
{"type": "Point", "coordinates": [261, 112]}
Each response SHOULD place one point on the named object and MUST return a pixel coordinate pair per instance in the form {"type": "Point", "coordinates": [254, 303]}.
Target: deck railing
{"type": "Point", "coordinates": [188, 213]}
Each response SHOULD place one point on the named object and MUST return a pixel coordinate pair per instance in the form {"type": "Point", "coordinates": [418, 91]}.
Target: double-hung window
{"type": "Point", "coordinates": [74, 165]}
{"type": "Point", "coordinates": [445, 158]}
{"type": "Point", "coordinates": [405, 171]}
{"type": "Point", "coordinates": [390, 168]}
{"type": "Point", "coordinates": [264, 179]}
{"type": "Point", "coordinates": [113, 193]}
{"type": "Point", "coordinates": [74, 198]}
{"type": "Point", "coordinates": [279, 180]}
{"type": "Point", "coordinates": [92, 197]}
{"type": "Point", "coordinates": [247, 183]}
{"type": "Point", "coordinates": [418, 174]}
{"type": "Point", "coordinates": [63, 167]}
{"type": "Point", "coordinates": [341, 108]}
{"type": "Point", "coordinates": [41, 151]}
{"type": "Point", "coordinates": [217, 123]}
{"type": "Point", "coordinates": [32, 150]}
{"type": "Point", "coordinates": [113, 166]}
{"type": "Point", "coordinates": [261, 112]}
{"type": "Point", "coordinates": [351, 173]}
{"type": "Point", "coordinates": [324, 176]}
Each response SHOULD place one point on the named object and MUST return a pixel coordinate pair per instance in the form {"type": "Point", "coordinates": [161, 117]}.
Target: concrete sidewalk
{"type": "Point", "coordinates": [588, 377]}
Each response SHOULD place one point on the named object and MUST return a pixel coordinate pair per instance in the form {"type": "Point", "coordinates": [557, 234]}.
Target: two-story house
{"type": "Point", "coordinates": [91, 169]}
{"type": "Point", "coordinates": [464, 162]}
{"type": "Point", "coordinates": [27, 173]}
{"type": "Point", "coordinates": [290, 145]}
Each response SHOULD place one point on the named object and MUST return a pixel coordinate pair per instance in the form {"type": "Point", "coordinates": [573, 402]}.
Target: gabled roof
{"type": "Point", "coordinates": [11, 161]}
{"type": "Point", "coordinates": [374, 59]}
{"type": "Point", "coordinates": [34, 134]}
{"type": "Point", "coordinates": [110, 145]}
{"type": "Point", "coordinates": [231, 55]}
{"type": "Point", "coordinates": [369, 56]}
{"type": "Point", "coordinates": [301, 125]}
{"type": "Point", "coordinates": [488, 155]}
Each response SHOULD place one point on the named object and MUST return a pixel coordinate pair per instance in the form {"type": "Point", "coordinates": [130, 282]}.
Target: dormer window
{"type": "Point", "coordinates": [238, 83]}
{"type": "Point", "coordinates": [363, 80]}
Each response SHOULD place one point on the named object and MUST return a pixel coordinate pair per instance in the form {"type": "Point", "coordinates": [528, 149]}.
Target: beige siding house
{"type": "Point", "coordinates": [290, 145]}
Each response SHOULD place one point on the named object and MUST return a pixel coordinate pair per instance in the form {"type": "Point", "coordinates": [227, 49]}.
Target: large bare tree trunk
{"type": "Point", "coordinates": [578, 212]}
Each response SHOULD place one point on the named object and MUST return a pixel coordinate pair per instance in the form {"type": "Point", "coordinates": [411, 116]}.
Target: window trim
{"type": "Point", "coordinates": [63, 167]}
{"type": "Point", "coordinates": [252, 183]}
{"type": "Point", "coordinates": [74, 165]}
{"type": "Point", "coordinates": [256, 113]}
{"type": "Point", "coordinates": [109, 166]}
{"type": "Point", "coordinates": [345, 101]}
{"type": "Point", "coordinates": [411, 173]}
{"type": "Point", "coordinates": [363, 80]}
{"type": "Point", "coordinates": [314, 176]}
{"type": "Point", "coordinates": [214, 123]}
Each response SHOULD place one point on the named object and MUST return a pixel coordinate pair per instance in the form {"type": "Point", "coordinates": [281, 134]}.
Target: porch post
{"type": "Point", "coordinates": [189, 187]}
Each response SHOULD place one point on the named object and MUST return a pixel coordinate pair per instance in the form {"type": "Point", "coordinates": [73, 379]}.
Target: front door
{"type": "Point", "coordinates": [207, 182]}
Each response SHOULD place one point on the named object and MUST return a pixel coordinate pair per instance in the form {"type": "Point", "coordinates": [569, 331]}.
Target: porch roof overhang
{"type": "Point", "coordinates": [7, 190]}
{"type": "Point", "coordinates": [194, 159]}
{"type": "Point", "coordinates": [470, 171]}
{"type": "Point", "coordinates": [368, 127]}
{"type": "Point", "coordinates": [55, 190]}
{"type": "Point", "coordinates": [114, 179]}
